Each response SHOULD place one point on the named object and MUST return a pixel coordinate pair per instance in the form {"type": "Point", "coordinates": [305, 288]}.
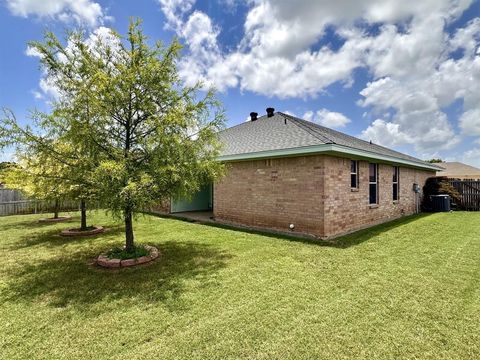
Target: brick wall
{"type": "Point", "coordinates": [311, 192]}
{"type": "Point", "coordinates": [162, 207]}
{"type": "Point", "coordinates": [273, 193]}
{"type": "Point", "coordinates": [347, 210]}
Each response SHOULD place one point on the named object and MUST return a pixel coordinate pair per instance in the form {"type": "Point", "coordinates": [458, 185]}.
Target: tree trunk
{"type": "Point", "coordinates": [129, 244]}
{"type": "Point", "coordinates": [56, 209]}
{"type": "Point", "coordinates": [83, 212]}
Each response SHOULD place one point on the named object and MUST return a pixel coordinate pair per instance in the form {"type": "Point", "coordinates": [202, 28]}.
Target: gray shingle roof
{"type": "Point", "coordinates": [283, 131]}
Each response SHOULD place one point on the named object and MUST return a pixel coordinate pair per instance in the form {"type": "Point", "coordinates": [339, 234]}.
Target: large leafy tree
{"type": "Point", "coordinates": [152, 137]}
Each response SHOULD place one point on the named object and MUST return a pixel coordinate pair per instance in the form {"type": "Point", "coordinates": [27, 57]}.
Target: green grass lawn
{"type": "Point", "coordinates": [405, 290]}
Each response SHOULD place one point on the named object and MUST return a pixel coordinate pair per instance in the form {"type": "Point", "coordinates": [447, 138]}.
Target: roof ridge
{"type": "Point", "coordinates": [269, 134]}
{"type": "Point", "coordinates": [350, 136]}
{"type": "Point", "coordinates": [298, 123]}
{"type": "Point", "coordinates": [242, 123]}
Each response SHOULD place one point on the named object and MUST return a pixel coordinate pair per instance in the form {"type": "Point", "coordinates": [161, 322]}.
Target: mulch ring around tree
{"type": "Point", "coordinates": [104, 261]}
{"type": "Point", "coordinates": [54, 220]}
{"type": "Point", "coordinates": [91, 230]}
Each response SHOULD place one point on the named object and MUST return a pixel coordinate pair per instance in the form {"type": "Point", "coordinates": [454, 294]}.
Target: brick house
{"type": "Point", "coordinates": [288, 174]}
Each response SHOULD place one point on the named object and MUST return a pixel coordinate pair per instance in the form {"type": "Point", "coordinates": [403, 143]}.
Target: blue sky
{"type": "Point", "coordinates": [403, 74]}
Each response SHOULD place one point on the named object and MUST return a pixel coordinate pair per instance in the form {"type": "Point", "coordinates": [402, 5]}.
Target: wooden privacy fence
{"type": "Point", "coordinates": [470, 193]}
{"type": "Point", "coordinates": [13, 202]}
{"type": "Point", "coordinates": [8, 195]}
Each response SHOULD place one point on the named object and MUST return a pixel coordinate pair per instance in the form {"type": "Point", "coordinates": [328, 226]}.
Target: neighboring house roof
{"type": "Point", "coordinates": [286, 135]}
{"type": "Point", "coordinates": [458, 170]}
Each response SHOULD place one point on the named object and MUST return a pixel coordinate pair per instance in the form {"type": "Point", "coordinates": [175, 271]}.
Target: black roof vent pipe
{"type": "Point", "coordinates": [270, 111]}
{"type": "Point", "coordinates": [253, 116]}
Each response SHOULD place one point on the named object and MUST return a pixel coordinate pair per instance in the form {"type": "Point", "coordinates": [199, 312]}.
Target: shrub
{"type": "Point", "coordinates": [123, 254]}
{"type": "Point", "coordinates": [438, 186]}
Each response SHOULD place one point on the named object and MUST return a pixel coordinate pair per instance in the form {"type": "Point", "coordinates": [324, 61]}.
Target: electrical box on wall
{"type": "Point", "coordinates": [416, 188]}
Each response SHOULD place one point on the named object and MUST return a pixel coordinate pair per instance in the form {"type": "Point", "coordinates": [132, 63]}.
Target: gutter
{"type": "Point", "coordinates": [328, 149]}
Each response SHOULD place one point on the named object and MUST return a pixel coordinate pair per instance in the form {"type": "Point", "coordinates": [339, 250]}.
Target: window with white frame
{"type": "Point", "coordinates": [373, 183]}
{"type": "Point", "coordinates": [395, 182]}
{"type": "Point", "coordinates": [354, 174]}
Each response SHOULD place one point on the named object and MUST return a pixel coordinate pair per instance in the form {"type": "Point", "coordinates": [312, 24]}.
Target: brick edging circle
{"type": "Point", "coordinates": [104, 261]}
{"type": "Point", "coordinates": [77, 232]}
{"type": "Point", "coordinates": [54, 220]}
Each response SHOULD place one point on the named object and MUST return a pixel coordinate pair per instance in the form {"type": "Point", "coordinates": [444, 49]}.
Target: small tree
{"type": "Point", "coordinates": [79, 158]}
{"type": "Point", "coordinates": [52, 167]}
{"type": "Point", "coordinates": [4, 167]}
{"type": "Point", "coordinates": [434, 161]}
{"type": "Point", "coordinates": [36, 172]}
{"type": "Point", "coordinates": [37, 177]}
{"type": "Point", "coordinates": [153, 137]}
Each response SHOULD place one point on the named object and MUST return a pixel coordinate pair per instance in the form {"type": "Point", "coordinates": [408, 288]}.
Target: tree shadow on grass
{"type": "Point", "coordinates": [361, 236]}
{"type": "Point", "coordinates": [69, 281]}
{"type": "Point", "coordinates": [52, 238]}
{"type": "Point", "coordinates": [33, 223]}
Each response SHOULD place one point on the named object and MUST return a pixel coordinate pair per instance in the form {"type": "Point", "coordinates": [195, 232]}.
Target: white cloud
{"type": "Point", "coordinates": [48, 89]}
{"type": "Point", "coordinates": [457, 79]}
{"type": "Point", "coordinates": [386, 134]}
{"type": "Point", "coordinates": [174, 10]}
{"type": "Point", "coordinates": [416, 97]}
{"type": "Point", "coordinates": [283, 27]}
{"type": "Point", "coordinates": [100, 38]}
{"type": "Point", "coordinates": [32, 52]}
{"type": "Point", "coordinates": [282, 54]}
{"type": "Point", "coordinates": [416, 116]}
{"type": "Point", "coordinates": [327, 118]}
{"type": "Point", "coordinates": [467, 38]}
{"type": "Point", "coordinates": [199, 33]}
{"type": "Point", "coordinates": [306, 74]}
{"type": "Point", "coordinates": [288, 112]}
{"type": "Point", "coordinates": [471, 157]}
{"type": "Point", "coordinates": [275, 58]}
{"type": "Point", "coordinates": [85, 12]}
{"type": "Point", "coordinates": [37, 95]}
{"type": "Point", "coordinates": [252, 65]}
{"type": "Point", "coordinates": [206, 63]}
{"type": "Point", "coordinates": [470, 122]}
{"type": "Point", "coordinates": [406, 54]}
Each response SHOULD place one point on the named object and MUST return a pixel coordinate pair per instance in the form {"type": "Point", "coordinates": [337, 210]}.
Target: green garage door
{"type": "Point", "coordinates": [201, 201]}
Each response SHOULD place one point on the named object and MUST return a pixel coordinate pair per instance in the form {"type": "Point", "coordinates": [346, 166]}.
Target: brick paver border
{"type": "Point", "coordinates": [105, 262]}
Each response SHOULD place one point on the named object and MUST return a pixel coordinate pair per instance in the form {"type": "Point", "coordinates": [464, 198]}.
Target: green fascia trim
{"type": "Point", "coordinates": [277, 153]}
{"type": "Point", "coordinates": [327, 148]}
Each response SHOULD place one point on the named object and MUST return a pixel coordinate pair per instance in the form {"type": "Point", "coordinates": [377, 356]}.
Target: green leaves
{"type": "Point", "coordinates": [125, 129]}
